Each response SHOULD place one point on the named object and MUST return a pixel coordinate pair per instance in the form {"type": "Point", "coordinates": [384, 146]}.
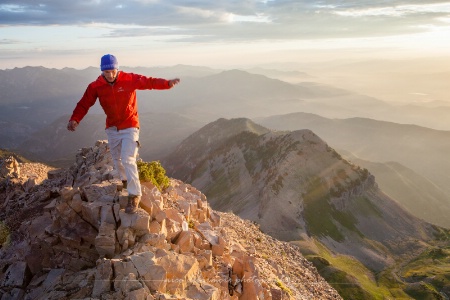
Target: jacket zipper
{"type": "Point", "coordinates": [115, 104]}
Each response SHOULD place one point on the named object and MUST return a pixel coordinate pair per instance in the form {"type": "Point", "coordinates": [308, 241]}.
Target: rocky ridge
{"type": "Point", "coordinates": [69, 238]}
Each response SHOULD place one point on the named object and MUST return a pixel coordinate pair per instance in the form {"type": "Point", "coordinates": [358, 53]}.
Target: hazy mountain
{"type": "Point", "coordinates": [423, 150]}
{"type": "Point", "coordinates": [288, 76]}
{"type": "Point", "coordinates": [56, 145]}
{"type": "Point", "coordinates": [295, 186]}
{"type": "Point", "coordinates": [415, 193]}
{"type": "Point", "coordinates": [12, 134]}
{"type": "Point", "coordinates": [34, 97]}
{"type": "Point", "coordinates": [238, 93]}
{"type": "Point", "coordinates": [182, 71]}
{"type": "Point", "coordinates": [37, 96]}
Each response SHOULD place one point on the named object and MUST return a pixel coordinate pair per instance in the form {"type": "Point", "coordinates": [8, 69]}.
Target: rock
{"type": "Point", "coordinates": [156, 278]}
{"type": "Point", "coordinates": [9, 167]}
{"type": "Point", "coordinates": [76, 203]}
{"type": "Point", "coordinates": [30, 183]}
{"type": "Point", "coordinates": [185, 241]}
{"type": "Point", "coordinates": [15, 294]}
{"type": "Point", "coordinates": [157, 240]}
{"type": "Point", "coordinates": [181, 270]}
{"type": "Point", "coordinates": [138, 221]}
{"type": "Point", "coordinates": [150, 194]}
{"type": "Point", "coordinates": [129, 285]}
{"type": "Point", "coordinates": [105, 242]}
{"type": "Point", "coordinates": [204, 291]}
{"type": "Point", "coordinates": [103, 277]}
{"type": "Point", "coordinates": [124, 267]}
{"type": "Point", "coordinates": [17, 275]}
{"type": "Point", "coordinates": [126, 237]}
{"type": "Point", "coordinates": [174, 215]}
{"type": "Point", "coordinates": [53, 277]}
{"type": "Point", "coordinates": [100, 192]}
{"type": "Point", "coordinates": [53, 174]}
{"type": "Point", "coordinates": [107, 214]}
{"type": "Point", "coordinates": [90, 212]}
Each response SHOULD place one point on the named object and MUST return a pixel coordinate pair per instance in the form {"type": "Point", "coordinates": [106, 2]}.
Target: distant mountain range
{"type": "Point", "coordinates": [36, 102]}
{"type": "Point", "coordinates": [37, 96]}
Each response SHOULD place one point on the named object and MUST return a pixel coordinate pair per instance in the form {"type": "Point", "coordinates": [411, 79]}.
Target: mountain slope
{"type": "Point", "coordinates": [68, 237]}
{"type": "Point", "coordinates": [423, 150]}
{"type": "Point", "coordinates": [295, 186]}
{"type": "Point", "coordinates": [298, 188]}
{"type": "Point", "coordinates": [415, 193]}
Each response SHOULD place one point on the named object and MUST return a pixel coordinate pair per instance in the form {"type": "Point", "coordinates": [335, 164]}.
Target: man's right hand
{"type": "Point", "coordinates": [72, 125]}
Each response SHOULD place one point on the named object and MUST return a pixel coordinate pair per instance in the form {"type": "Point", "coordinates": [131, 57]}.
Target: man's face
{"type": "Point", "coordinates": [110, 75]}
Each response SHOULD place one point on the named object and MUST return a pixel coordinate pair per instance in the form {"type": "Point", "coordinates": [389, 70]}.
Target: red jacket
{"type": "Point", "coordinates": [117, 100]}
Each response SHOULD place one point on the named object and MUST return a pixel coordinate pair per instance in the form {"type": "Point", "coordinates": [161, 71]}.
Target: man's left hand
{"type": "Point", "coordinates": [173, 82]}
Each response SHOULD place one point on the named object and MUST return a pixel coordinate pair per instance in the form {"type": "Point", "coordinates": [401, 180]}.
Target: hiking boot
{"type": "Point", "coordinates": [132, 205]}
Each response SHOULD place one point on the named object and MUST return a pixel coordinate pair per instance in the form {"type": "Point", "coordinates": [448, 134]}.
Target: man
{"type": "Point", "coordinates": [116, 91]}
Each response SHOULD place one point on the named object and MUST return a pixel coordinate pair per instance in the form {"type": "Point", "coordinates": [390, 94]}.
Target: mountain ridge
{"type": "Point", "coordinates": [72, 240]}
{"type": "Point", "coordinates": [421, 149]}
{"type": "Point", "coordinates": [247, 172]}
{"type": "Point", "coordinates": [299, 189]}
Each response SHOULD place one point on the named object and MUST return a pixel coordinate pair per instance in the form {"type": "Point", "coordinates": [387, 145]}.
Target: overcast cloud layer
{"type": "Point", "coordinates": [60, 33]}
{"type": "Point", "coordinates": [208, 20]}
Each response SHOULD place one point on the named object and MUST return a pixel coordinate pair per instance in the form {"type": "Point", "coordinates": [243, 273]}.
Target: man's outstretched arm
{"type": "Point", "coordinates": [82, 108]}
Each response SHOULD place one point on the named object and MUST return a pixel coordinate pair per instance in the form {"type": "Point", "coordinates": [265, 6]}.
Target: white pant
{"type": "Point", "coordinates": [124, 145]}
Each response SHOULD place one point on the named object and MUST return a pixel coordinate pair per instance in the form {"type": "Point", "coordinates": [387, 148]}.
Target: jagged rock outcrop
{"type": "Point", "coordinates": [71, 239]}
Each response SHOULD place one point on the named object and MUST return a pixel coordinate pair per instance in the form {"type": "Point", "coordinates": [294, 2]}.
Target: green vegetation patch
{"type": "Point", "coordinates": [348, 276]}
{"type": "Point", "coordinates": [345, 284]}
{"type": "Point", "coordinates": [153, 172]}
{"type": "Point", "coordinates": [320, 214]}
{"type": "Point", "coordinates": [282, 286]}
{"type": "Point", "coordinates": [441, 234]}
{"type": "Point", "coordinates": [4, 234]}
{"type": "Point", "coordinates": [423, 291]}
{"type": "Point", "coordinates": [433, 262]}
{"type": "Point", "coordinates": [367, 208]}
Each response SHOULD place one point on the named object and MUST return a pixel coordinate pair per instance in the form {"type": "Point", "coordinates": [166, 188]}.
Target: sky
{"type": "Point", "coordinates": [219, 33]}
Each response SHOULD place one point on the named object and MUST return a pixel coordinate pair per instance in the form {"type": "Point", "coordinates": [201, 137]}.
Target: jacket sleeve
{"type": "Point", "coordinates": [88, 99]}
{"type": "Point", "coordinates": [150, 83]}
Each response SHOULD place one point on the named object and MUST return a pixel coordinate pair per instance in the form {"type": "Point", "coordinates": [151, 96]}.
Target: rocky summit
{"type": "Point", "coordinates": [65, 235]}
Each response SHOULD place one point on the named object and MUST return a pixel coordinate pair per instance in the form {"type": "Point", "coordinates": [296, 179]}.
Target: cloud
{"type": "Point", "coordinates": [235, 19]}
{"type": "Point", "coordinates": [9, 42]}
